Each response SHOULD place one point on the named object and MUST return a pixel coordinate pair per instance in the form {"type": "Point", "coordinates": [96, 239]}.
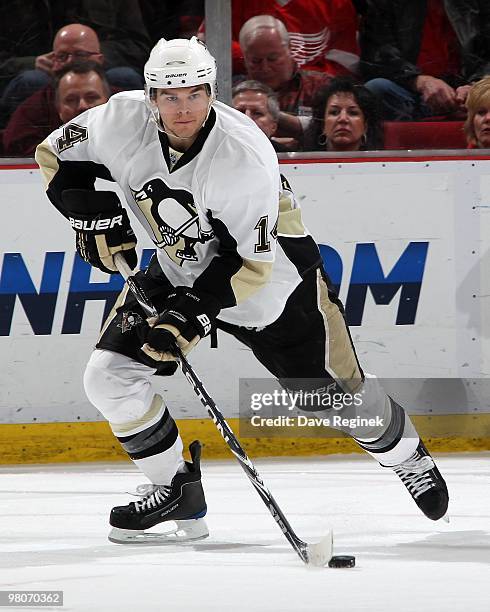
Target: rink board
{"type": "Point", "coordinates": [406, 242]}
{"type": "Point", "coordinates": [69, 442]}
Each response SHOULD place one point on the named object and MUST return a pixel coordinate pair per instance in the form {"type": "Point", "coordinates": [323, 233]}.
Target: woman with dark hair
{"type": "Point", "coordinates": [345, 118]}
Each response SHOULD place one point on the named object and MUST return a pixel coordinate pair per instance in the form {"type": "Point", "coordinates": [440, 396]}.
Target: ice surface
{"type": "Point", "coordinates": [55, 523]}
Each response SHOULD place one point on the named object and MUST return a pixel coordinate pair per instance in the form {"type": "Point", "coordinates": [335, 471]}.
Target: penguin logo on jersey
{"type": "Point", "coordinates": [128, 321]}
{"type": "Point", "coordinates": [173, 219]}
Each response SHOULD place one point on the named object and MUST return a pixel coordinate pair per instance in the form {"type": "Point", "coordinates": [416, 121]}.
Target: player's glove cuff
{"type": "Point", "coordinates": [191, 310]}
{"type": "Point", "coordinates": [188, 316]}
{"type": "Point", "coordinates": [101, 235]}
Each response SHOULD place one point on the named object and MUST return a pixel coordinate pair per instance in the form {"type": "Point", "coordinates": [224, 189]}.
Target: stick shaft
{"type": "Point", "coordinates": [248, 467]}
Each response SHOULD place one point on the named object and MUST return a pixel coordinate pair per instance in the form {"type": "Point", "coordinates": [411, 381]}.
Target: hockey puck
{"type": "Point", "coordinates": [342, 561]}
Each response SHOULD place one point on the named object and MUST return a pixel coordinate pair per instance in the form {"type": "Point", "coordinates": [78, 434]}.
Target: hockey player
{"type": "Point", "coordinates": [232, 252]}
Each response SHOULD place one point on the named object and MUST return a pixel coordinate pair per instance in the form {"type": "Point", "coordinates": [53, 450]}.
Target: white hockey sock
{"type": "Point", "coordinates": [402, 450]}
{"type": "Point", "coordinates": [399, 441]}
{"type": "Point", "coordinates": [148, 432]}
{"type": "Point", "coordinates": [161, 468]}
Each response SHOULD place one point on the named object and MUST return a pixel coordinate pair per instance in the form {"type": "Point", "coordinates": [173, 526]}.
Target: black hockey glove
{"type": "Point", "coordinates": [102, 229]}
{"type": "Point", "coordinates": [187, 317]}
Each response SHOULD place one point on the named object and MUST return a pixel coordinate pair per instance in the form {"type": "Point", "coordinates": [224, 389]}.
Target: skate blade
{"type": "Point", "coordinates": [185, 531]}
{"type": "Point", "coordinates": [319, 554]}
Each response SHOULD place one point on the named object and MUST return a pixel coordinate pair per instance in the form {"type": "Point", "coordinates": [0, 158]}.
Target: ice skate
{"type": "Point", "coordinates": [179, 507]}
{"type": "Point", "coordinates": [424, 483]}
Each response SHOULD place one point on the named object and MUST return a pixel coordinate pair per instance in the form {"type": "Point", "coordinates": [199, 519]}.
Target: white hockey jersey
{"type": "Point", "coordinates": [212, 214]}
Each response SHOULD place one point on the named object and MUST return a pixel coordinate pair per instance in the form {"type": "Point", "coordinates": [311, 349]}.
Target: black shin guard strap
{"type": "Point", "coordinates": [153, 440]}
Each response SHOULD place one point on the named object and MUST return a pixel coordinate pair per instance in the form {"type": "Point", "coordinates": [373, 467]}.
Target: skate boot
{"type": "Point", "coordinates": [181, 504]}
{"type": "Point", "coordinates": [424, 483]}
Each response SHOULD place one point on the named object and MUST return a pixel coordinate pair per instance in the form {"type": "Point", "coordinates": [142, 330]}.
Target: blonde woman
{"type": "Point", "coordinates": [477, 124]}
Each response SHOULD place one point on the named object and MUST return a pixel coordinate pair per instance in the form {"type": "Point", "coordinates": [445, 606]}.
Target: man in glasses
{"type": "Point", "coordinates": [74, 42]}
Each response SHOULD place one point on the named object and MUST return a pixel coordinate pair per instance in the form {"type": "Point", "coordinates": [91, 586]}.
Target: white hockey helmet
{"type": "Point", "coordinates": [180, 63]}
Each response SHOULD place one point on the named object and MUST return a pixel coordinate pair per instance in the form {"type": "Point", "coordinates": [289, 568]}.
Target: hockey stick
{"type": "Point", "coordinates": [318, 554]}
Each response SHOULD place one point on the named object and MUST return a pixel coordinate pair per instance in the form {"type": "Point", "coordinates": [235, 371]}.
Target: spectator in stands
{"type": "Point", "coordinates": [172, 19]}
{"type": "Point", "coordinates": [323, 33]}
{"type": "Point", "coordinates": [477, 125]}
{"type": "Point", "coordinates": [73, 42]}
{"type": "Point", "coordinates": [78, 86]}
{"type": "Point", "coordinates": [124, 44]}
{"type": "Point", "coordinates": [268, 59]}
{"type": "Point", "coordinates": [345, 118]}
{"type": "Point", "coordinates": [259, 102]}
{"type": "Point", "coordinates": [421, 57]}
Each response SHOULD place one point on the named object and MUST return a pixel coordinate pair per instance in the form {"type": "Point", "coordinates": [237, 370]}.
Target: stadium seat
{"type": "Point", "coordinates": [424, 135]}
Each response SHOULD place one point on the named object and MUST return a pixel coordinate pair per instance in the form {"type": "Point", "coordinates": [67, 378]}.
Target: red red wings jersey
{"type": "Point", "coordinates": [323, 33]}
